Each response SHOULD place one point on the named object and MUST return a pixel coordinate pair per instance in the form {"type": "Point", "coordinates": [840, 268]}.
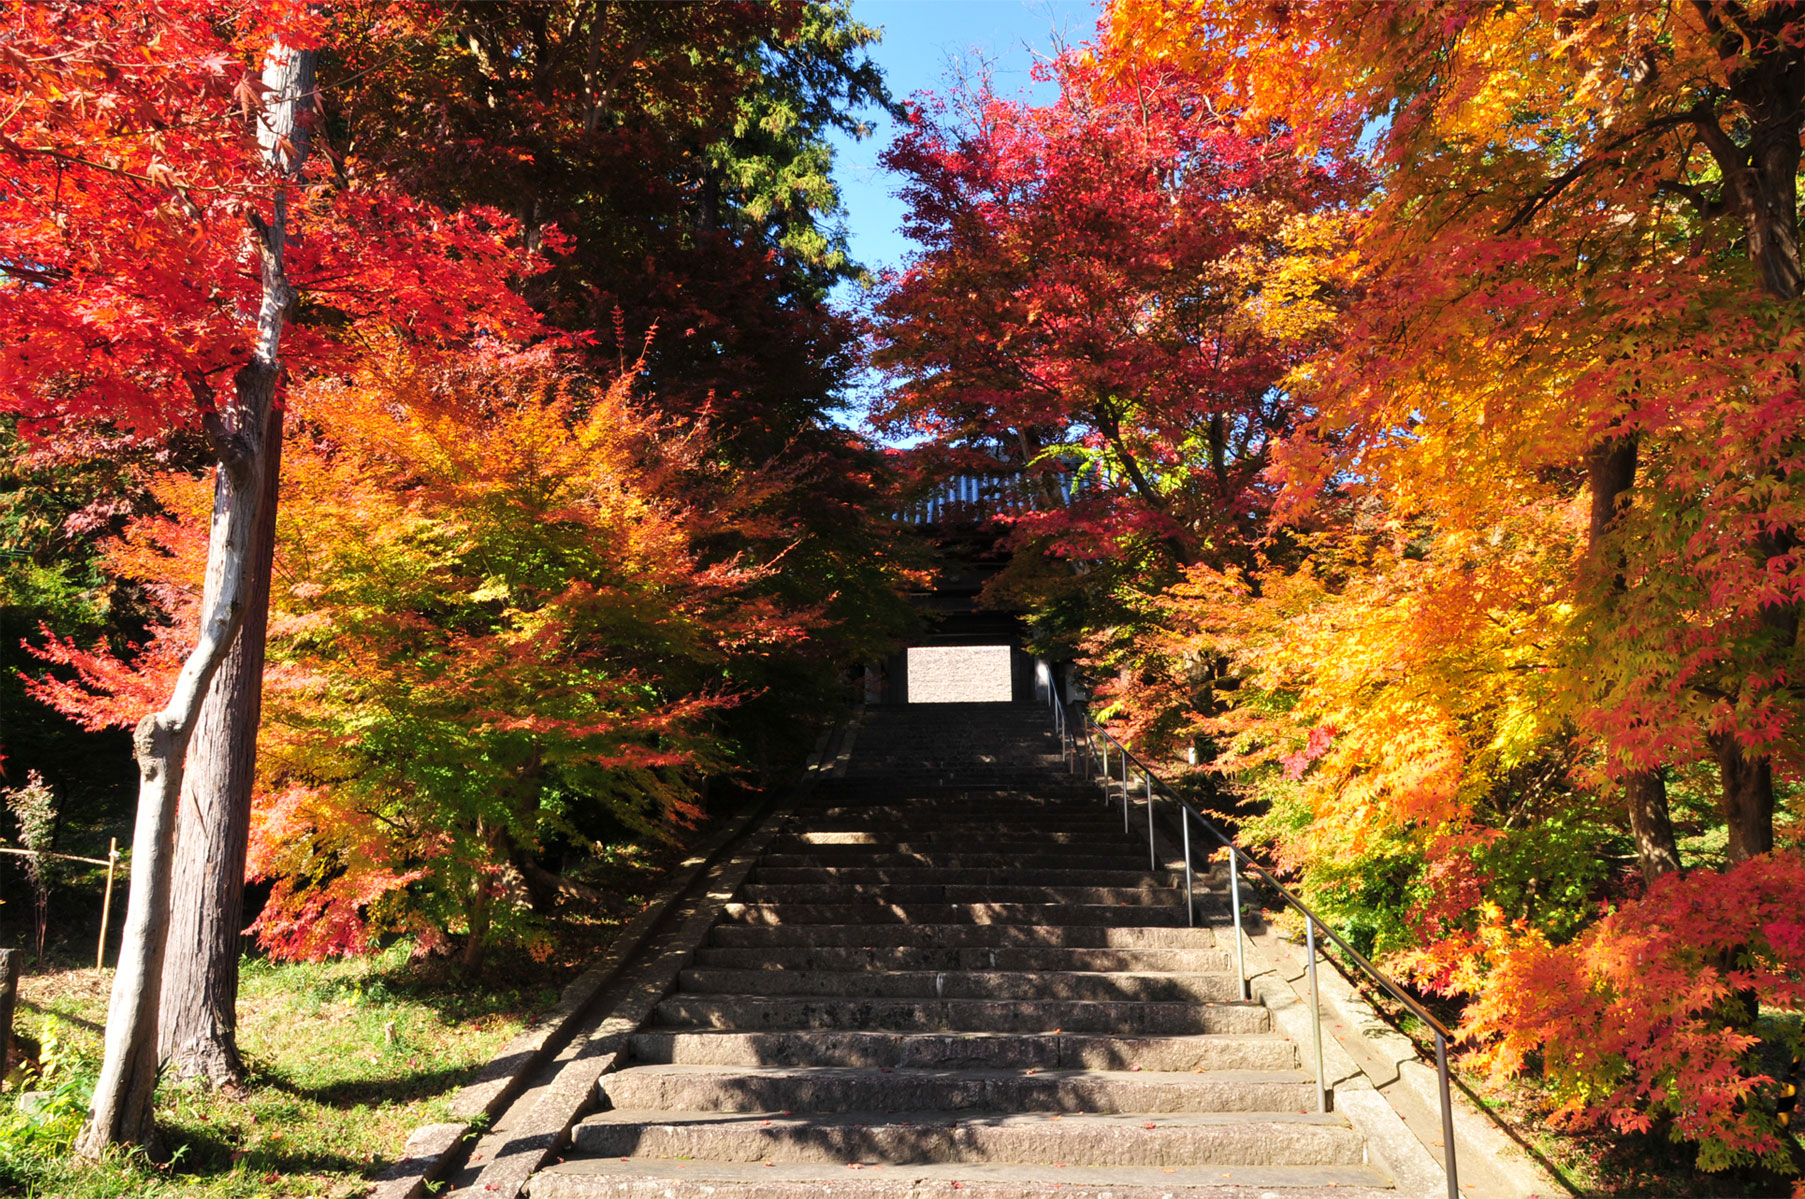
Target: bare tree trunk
{"type": "Point", "coordinates": [197, 1028]}
{"type": "Point", "coordinates": [123, 1098]}
{"type": "Point", "coordinates": [124, 1109]}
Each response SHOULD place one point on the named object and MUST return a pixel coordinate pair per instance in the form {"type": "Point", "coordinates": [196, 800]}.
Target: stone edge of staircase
{"type": "Point", "coordinates": [429, 1151]}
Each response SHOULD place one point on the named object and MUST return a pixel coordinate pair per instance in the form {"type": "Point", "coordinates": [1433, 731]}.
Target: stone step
{"type": "Point", "coordinates": [893, 893]}
{"type": "Point", "coordinates": [1052, 830]}
{"type": "Point", "coordinates": [690, 1088]}
{"type": "Point", "coordinates": [975, 813]}
{"type": "Point", "coordinates": [858, 857]}
{"type": "Point", "coordinates": [899, 839]}
{"type": "Point", "coordinates": [905, 876]}
{"type": "Point", "coordinates": [757, 1012]}
{"type": "Point", "coordinates": [1042, 1051]}
{"type": "Point", "coordinates": [650, 1178]}
{"type": "Point", "coordinates": [933, 957]}
{"type": "Point", "coordinates": [899, 778]}
{"type": "Point", "coordinates": [960, 936]}
{"type": "Point", "coordinates": [1021, 811]}
{"type": "Point", "coordinates": [965, 984]}
{"type": "Point", "coordinates": [1039, 914]}
{"type": "Point", "coordinates": [1055, 788]}
{"type": "Point", "coordinates": [1177, 1140]}
{"type": "Point", "coordinates": [904, 762]}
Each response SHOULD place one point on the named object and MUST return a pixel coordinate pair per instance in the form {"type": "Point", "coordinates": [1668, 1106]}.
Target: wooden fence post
{"type": "Point", "coordinates": [9, 991]}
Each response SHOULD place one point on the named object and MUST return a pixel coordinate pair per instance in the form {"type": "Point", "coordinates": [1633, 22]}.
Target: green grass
{"type": "Point", "coordinates": [346, 1058]}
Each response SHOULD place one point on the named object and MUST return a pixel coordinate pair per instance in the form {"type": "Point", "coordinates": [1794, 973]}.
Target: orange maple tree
{"type": "Point", "coordinates": [504, 613]}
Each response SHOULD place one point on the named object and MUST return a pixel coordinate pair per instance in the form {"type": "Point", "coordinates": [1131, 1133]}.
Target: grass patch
{"type": "Point", "coordinates": [346, 1058]}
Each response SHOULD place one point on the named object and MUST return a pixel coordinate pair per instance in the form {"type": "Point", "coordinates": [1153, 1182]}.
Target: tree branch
{"type": "Point", "coordinates": [44, 276]}
{"type": "Point", "coordinates": [1605, 153]}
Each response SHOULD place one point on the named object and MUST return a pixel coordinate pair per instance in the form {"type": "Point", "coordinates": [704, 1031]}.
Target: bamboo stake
{"type": "Point", "coordinates": [106, 905]}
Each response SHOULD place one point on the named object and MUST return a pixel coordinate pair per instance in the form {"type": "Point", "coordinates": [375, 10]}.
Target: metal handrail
{"type": "Point", "coordinates": [1237, 858]}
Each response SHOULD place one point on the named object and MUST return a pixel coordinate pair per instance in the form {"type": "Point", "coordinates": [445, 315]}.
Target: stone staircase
{"type": "Point", "coordinates": [953, 971]}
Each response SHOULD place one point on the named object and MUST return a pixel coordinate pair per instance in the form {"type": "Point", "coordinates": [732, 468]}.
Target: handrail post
{"type": "Point", "coordinates": [1234, 893]}
{"type": "Point", "coordinates": [1447, 1115]}
{"type": "Point", "coordinates": [1184, 823]}
{"type": "Point", "coordinates": [1152, 854]}
{"type": "Point", "coordinates": [1322, 1084]}
{"type": "Point", "coordinates": [1125, 812]}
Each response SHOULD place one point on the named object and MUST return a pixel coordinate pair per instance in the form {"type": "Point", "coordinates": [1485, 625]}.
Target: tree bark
{"type": "Point", "coordinates": [197, 1032]}
{"type": "Point", "coordinates": [1748, 798]}
{"type": "Point", "coordinates": [124, 1097]}
{"type": "Point", "coordinates": [123, 1112]}
{"type": "Point", "coordinates": [1645, 795]}
{"type": "Point", "coordinates": [1610, 473]}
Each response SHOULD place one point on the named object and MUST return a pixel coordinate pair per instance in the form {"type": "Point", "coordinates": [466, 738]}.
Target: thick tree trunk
{"type": "Point", "coordinates": [1748, 798]}
{"type": "Point", "coordinates": [1610, 473]}
{"type": "Point", "coordinates": [1645, 795]}
{"type": "Point", "coordinates": [197, 1033]}
{"type": "Point", "coordinates": [124, 1108]}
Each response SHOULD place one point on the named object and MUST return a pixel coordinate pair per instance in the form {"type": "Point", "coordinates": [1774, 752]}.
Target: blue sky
{"type": "Point", "coordinates": [921, 39]}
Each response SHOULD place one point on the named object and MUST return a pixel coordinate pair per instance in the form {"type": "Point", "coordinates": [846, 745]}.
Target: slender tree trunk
{"type": "Point", "coordinates": [197, 1032]}
{"type": "Point", "coordinates": [1611, 472]}
{"type": "Point", "coordinates": [124, 1108]}
{"type": "Point", "coordinates": [476, 945]}
{"type": "Point", "coordinates": [123, 1098]}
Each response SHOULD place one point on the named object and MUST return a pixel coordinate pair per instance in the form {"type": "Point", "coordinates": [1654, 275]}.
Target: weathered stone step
{"type": "Point", "coordinates": [946, 858]}
{"type": "Point", "coordinates": [933, 957]}
{"type": "Point", "coordinates": [850, 1088]}
{"type": "Point", "coordinates": [965, 984]}
{"type": "Point", "coordinates": [983, 807]}
{"type": "Point", "coordinates": [1048, 788]}
{"type": "Point", "coordinates": [1051, 832]}
{"type": "Point", "coordinates": [892, 893]}
{"type": "Point", "coordinates": [754, 1012]}
{"type": "Point", "coordinates": [961, 876]}
{"type": "Point", "coordinates": [1183, 1139]}
{"type": "Point", "coordinates": [1041, 1051]}
{"type": "Point", "coordinates": [1066, 816]}
{"type": "Point", "coordinates": [909, 768]}
{"type": "Point", "coordinates": [902, 840]}
{"type": "Point", "coordinates": [1052, 915]}
{"type": "Point", "coordinates": [964, 936]}
{"type": "Point", "coordinates": [649, 1178]}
